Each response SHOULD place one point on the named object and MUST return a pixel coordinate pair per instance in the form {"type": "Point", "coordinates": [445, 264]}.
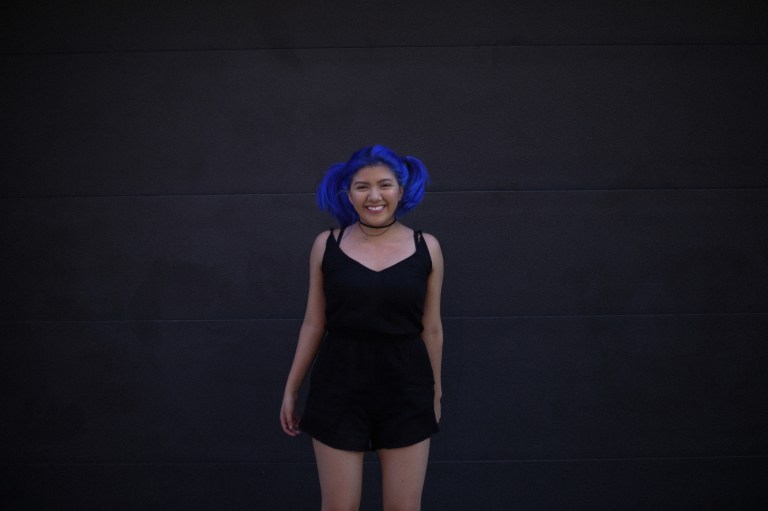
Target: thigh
{"type": "Point", "coordinates": [402, 475]}
{"type": "Point", "coordinates": [341, 476]}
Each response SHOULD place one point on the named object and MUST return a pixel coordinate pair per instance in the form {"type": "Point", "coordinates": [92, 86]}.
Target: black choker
{"type": "Point", "coordinates": [390, 224]}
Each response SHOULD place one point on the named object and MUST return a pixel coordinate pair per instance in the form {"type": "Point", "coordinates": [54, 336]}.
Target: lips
{"type": "Point", "coordinates": [375, 209]}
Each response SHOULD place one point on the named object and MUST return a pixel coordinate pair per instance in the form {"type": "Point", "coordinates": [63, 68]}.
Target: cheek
{"type": "Point", "coordinates": [355, 198]}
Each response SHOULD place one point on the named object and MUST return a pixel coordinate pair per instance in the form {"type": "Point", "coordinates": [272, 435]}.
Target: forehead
{"type": "Point", "coordinates": [374, 173]}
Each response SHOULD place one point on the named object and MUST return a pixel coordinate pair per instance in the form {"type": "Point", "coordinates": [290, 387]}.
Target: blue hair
{"type": "Point", "coordinates": [410, 173]}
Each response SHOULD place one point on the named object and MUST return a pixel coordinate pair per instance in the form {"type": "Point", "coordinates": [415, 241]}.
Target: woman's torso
{"type": "Point", "coordinates": [375, 302]}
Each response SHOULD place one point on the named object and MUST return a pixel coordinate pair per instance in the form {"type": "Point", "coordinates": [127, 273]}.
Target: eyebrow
{"type": "Point", "coordinates": [362, 181]}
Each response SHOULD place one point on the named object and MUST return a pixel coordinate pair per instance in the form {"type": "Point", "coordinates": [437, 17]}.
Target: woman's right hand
{"type": "Point", "coordinates": [288, 417]}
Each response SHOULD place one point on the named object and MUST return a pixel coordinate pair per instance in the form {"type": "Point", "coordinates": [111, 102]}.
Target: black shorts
{"type": "Point", "coordinates": [369, 394]}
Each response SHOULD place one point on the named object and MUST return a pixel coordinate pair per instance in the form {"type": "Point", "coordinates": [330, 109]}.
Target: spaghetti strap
{"type": "Point", "coordinates": [332, 237]}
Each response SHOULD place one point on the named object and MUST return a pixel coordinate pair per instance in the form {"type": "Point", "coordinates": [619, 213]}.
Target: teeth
{"type": "Point", "coordinates": [375, 208]}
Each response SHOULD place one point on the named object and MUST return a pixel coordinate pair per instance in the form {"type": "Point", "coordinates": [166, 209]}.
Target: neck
{"type": "Point", "coordinates": [383, 229]}
{"type": "Point", "coordinates": [390, 224]}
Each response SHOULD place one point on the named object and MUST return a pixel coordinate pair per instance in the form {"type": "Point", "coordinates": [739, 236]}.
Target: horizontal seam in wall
{"type": "Point", "coordinates": [599, 460]}
{"type": "Point", "coordinates": [628, 315]}
{"type": "Point", "coordinates": [435, 192]}
{"type": "Point", "coordinates": [384, 47]}
{"type": "Point", "coordinates": [568, 190]}
{"type": "Point", "coordinates": [433, 462]}
{"type": "Point", "coordinates": [297, 319]}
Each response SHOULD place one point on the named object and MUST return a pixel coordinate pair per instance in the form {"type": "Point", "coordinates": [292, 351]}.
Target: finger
{"type": "Point", "coordinates": [284, 423]}
{"type": "Point", "coordinates": [287, 424]}
{"type": "Point", "coordinates": [293, 431]}
{"type": "Point", "coordinates": [290, 424]}
{"type": "Point", "coordinates": [290, 430]}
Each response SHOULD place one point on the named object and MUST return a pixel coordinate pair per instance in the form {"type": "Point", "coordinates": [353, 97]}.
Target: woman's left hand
{"type": "Point", "coordinates": [288, 417]}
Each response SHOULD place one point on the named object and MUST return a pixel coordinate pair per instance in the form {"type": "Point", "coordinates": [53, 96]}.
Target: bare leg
{"type": "Point", "coordinates": [402, 476]}
{"type": "Point", "coordinates": [341, 477]}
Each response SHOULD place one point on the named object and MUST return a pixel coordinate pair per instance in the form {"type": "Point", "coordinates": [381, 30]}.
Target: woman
{"type": "Point", "coordinates": [373, 329]}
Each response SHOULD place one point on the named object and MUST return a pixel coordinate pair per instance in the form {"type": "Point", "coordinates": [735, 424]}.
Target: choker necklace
{"type": "Point", "coordinates": [390, 224]}
{"type": "Point", "coordinates": [360, 225]}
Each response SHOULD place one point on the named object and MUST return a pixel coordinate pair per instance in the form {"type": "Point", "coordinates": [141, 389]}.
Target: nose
{"type": "Point", "coordinates": [374, 193]}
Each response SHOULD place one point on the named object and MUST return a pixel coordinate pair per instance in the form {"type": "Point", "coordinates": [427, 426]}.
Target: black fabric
{"type": "Point", "coordinates": [372, 385]}
{"type": "Point", "coordinates": [386, 302]}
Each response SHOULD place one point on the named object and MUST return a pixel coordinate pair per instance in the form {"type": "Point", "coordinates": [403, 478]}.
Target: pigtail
{"type": "Point", "coordinates": [414, 185]}
{"type": "Point", "coordinates": [332, 195]}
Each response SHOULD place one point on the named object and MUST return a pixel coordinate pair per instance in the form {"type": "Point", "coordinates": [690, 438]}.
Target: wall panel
{"type": "Point", "coordinates": [538, 253]}
{"type": "Point", "coordinates": [734, 483]}
{"type": "Point", "coordinates": [38, 26]}
{"type": "Point", "coordinates": [537, 388]}
{"type": "Point", "coordinates": [138, 392]}
{"type": "Point", "coordinates": [498, 118]}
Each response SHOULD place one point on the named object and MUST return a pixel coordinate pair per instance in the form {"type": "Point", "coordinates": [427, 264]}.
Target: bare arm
{"type": "Point", "coordinates": [310, 337]}
{"type": "Point", "coordinates": [433, 323]}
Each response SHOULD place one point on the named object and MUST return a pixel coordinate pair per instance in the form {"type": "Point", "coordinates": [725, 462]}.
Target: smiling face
{"type": "Point", "coordinates": [375, 193]}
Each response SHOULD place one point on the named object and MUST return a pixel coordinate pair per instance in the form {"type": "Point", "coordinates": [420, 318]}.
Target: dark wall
{"type": "Point", "coordinates": [599, 189]}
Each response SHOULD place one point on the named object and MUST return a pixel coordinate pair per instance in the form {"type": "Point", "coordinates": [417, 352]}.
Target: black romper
{"type": "Point", "coordinates": [372, 385]}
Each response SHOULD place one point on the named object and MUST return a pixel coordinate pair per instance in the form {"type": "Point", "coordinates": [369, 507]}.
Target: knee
{"type": "Point", "coordinates": [340, 506]}
{"type": "Point", "coordinates": [335, 507]}
{"type": "Point", "coordinates": [402, 506]}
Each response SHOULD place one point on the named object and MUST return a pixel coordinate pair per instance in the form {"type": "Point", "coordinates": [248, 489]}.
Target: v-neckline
{"type": "Point", "coordinates": [412, 254]}
{"type": "Point", "coordinates": [338, 245]}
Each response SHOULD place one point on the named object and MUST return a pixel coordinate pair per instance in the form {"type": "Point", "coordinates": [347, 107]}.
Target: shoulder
{"type": "Point", "coordinates": [432, 244]}
{"type": "Point", "coordinates": [318, 246]}
{"type": "Point", "coordinates": [322, 238]}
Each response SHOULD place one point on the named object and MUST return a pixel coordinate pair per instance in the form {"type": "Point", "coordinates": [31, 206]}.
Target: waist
{"type": "Point", "coordinates": [348, 334]}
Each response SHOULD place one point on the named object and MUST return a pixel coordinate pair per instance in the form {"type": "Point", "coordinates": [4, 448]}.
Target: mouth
{"type": "Point", "coordinates": [375, 209]}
